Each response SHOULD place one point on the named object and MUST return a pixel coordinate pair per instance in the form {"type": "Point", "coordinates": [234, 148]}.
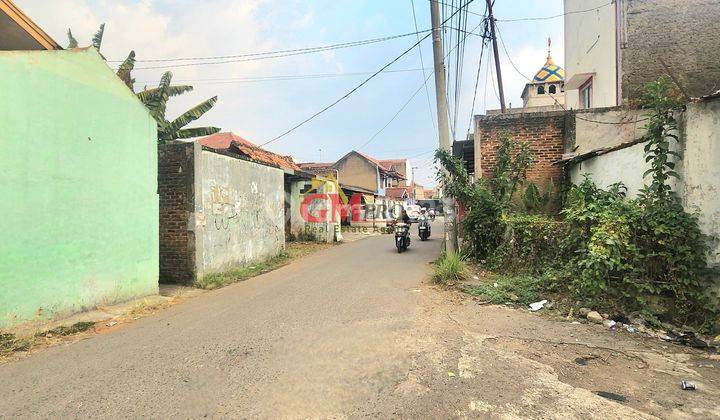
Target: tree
{"type": "Point", "coordinates": [155, 99]}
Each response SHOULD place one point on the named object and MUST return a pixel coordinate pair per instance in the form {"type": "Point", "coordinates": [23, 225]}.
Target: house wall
{"type": "Point", "coordinates": [590, 46]}
{"type": "Point", "coordinates": [78, 199]}
{"type": "Point", "coordinates": [239, 212]}
{"type": "Point", "coordinates": [356, 171]}
{"type": "Point", "coordinates": [699, 168]}
{"type": "Point", "coordinates": [609, 127]}
{"type": "Point", "coordinates": [319, 193]}
{"type": "Point", "coordinates": [176, 190]}
{"type": "Point", "coordinates": [683, 34]}
{"type": "Point", "coordinates": [545, 131]}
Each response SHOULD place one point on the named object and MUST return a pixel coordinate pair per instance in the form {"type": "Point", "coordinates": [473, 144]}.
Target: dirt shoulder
{"type": "Point", "coordinates": [558, 368]}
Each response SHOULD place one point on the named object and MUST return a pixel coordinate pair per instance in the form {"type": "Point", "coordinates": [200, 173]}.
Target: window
{"type": "Point", "coordinates": [552, 89]}
{"type": "Point", "coordinates": [541, 90]}
{"type": "Point", "coordinates": [586, 95]}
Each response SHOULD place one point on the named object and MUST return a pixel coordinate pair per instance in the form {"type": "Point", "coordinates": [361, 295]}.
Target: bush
{"type": "Point", "coordinates": [449, 269]}
{"type": "Point", "coordinates": [530, 244]}
{"type": "Point", "coordinates": [645, 253]}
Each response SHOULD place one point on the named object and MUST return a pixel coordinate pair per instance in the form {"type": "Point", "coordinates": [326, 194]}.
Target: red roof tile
{"type": "Point", "coordinates": [396, 192]}
{"type": "Point", "coordinates": [233, 143]}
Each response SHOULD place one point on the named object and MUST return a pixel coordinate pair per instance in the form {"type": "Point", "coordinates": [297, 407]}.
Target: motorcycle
{"type": "Point", "coordinates": [424, 228]}
{"type": "Point", "coordinates": [402, 236]}
{"type": "Point", "coordinates": [432, 215]}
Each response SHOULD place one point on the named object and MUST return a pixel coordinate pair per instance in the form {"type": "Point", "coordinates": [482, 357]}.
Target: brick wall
{"type": "Point", "coordinates": [545, 131]}
{"type": "Point", "coordinates": [684, 34]}
{"type": "Point", "coordinates": [175, 188]}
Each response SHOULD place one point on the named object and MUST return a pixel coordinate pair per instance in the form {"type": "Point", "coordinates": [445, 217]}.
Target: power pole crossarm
{"type": "Point", "coordinates": [443, 123]}
{"type": "Point", "coordinates": [491, 21]}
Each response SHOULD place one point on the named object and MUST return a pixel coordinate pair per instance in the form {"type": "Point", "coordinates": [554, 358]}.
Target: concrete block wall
{"type": "Point", "coordinates": [175, 187]}
{"type": "Point", "coordinates": [684, 34]}
{"type": "Point", "coordinates": [545, 132]}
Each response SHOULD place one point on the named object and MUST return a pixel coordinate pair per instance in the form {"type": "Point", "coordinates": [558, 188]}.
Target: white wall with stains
{"type": "Point", "coordinates": [239, 212]}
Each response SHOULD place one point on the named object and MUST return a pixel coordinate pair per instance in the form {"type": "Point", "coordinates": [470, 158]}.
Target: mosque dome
{"type": "Point", "coordinates": [550, 72]}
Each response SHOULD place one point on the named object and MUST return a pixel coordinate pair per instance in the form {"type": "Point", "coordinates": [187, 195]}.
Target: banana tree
{"type": "Point", "coordinates": [96, 40]}
{"type": "Point", "coordinates": [155, 99]}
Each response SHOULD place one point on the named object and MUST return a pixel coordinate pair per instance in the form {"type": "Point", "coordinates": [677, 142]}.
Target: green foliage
{"type": "Point", "coordinates": [512, 161]}
{"type": "Point", "coordinates": [72, 42]}
{"type": "Point", "coordinates": [215, 280]}
{"type": "Point", "coordinates": [124, 72]}
{"type": "Point", "coordinates": [482, 226]}
{"type": "Point", "coordinates": [449, 269]}
{"type": "Point", "coordinates": [663, 102]}
{"type": "Point", "coordinates": [531, 244]}
{"type": "Point", "coordinates": [502, 289]}
{"type": "Point", "coordinates": [96, 39]}
{"type": "Point", "coordinates": [156, 99]}
{"type": "Point", "coordinates": [637, 252]}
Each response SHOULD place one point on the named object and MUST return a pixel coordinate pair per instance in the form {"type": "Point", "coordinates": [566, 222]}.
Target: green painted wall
{"type": "Point", "coordinates": [78, 188]}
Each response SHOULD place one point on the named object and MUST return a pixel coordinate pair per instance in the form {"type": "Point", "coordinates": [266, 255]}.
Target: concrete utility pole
{"type": "Point", "coordinates": [443, 123]}
{"type": "Point", "coordinates": [491, 20]}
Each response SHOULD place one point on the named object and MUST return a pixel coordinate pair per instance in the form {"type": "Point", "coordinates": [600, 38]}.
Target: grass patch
{"type": "Point", "coordinates": [64, 330]}
{"type": "Point", "coordinates": [449, 269]}
{"type": "Point", "coordinates": [10, 344]}
{"type": "Point", "coordinates": [213, 281]}
{"type": "Point", "coordinates": [502, 289]}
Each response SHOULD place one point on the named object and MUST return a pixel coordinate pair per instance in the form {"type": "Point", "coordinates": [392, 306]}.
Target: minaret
{"type": "Point", "coordinates": [547, 87]}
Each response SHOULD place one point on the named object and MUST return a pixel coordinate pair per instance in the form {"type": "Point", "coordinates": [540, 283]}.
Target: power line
{"type": "Point", "coordinates": [422, 64]}
{"type": "Point", "coordinates": [406, 103]}
{"type": "Point", "coordinates": [280, 54]}
{"type": "Point", "coordinates": [279, 77]}
{"type": "Point", "coordinates": [554, 16]}
{"type": "Point", "coordinates": [294, 50]}
{"type": "Point", "coordinates": [477, 77]}
{"type": "Point", "coordinates": [396, 114]}
{"type": "Point", "coordinates": [353, 90]}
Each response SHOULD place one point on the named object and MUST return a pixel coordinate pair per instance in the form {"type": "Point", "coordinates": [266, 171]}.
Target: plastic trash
{"type": "Point", "coordinates": [536, 306]}
{"type": "Point", "coordinates": [687, 386]}
{"type": "Point", "coordinates": [630, 329]}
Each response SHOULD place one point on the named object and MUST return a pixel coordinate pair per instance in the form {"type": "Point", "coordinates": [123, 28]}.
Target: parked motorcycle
{"type": "Point", "coordinates": [402, 236]}
{"type": "Point", "coordinates": [424, 228]}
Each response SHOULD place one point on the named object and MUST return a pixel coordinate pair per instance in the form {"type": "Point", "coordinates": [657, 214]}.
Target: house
{"type": "Point", "coordinates": [613, 48]}
{"type": "Point", "coordinates": [402, 167]}
{"type": "Point", "coordinates": [19, 33]}
{"type": "Point", "coordinates": [80, 203]}
{"type": "Point", "coordinates": [364, 181]}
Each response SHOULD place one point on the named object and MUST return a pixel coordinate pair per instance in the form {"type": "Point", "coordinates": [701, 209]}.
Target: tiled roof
{"type": "Point", "coordinates": [233, 143]}
{"type": "Point", "coordinates": [396, 192]}
{"type": "Point", "coordinates": [391, 163]}
{"type": "Point", "coordinates": [315, 165]}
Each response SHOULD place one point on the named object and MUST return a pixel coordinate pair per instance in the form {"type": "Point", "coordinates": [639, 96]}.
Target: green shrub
{"type": "Point", "coordinates": [530, 244]}
{"type": "Point", "coordinates": [449, 269]}
{"type": "Point", "coordinates": [644, 253]}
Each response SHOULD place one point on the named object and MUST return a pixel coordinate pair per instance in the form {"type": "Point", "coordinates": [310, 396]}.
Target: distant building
{"type": "Point", "coordinates": [613, 48]}
{"type": "Point", "coordinates": [18, 32]}
{"type": "Point", "coordinates": [402, 167]}
{"type": "Point", "coordinates": [546, 92]}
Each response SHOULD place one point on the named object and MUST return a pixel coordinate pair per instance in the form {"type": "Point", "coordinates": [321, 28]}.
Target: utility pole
{"type": "Point", "coordinates": [491, 20]}
{"type": "Point", "coordinates": [443, 123]}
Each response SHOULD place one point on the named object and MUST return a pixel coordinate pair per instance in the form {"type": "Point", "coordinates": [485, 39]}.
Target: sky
{"type": "Point", "coordinates": [255, 104]}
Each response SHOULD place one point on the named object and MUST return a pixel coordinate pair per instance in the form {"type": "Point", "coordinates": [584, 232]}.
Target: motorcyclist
{"type": "Point", "coordinates": [431, 212]}
{"type": "Point", "coordinates": [404, 217]}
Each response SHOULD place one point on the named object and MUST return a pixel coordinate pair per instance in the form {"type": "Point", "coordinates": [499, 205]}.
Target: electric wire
{"type": "Point", "coordinates": [422, 65]}
{"type": "Point", "coordinates": [353, 90]}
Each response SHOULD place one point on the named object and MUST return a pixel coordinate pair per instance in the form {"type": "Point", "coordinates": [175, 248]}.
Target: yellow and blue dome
{"type": "Point", "coordinates": [550, 72]}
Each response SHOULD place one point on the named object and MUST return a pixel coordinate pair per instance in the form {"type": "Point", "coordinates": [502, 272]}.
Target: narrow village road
{"type": "Point", "coordinates": [351, 331]}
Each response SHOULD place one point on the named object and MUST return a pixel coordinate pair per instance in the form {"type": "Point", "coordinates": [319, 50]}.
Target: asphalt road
{"type": "Point", "coordinates": [352, 331]}
{"type": "Point", "coordinates": [317, 337]}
